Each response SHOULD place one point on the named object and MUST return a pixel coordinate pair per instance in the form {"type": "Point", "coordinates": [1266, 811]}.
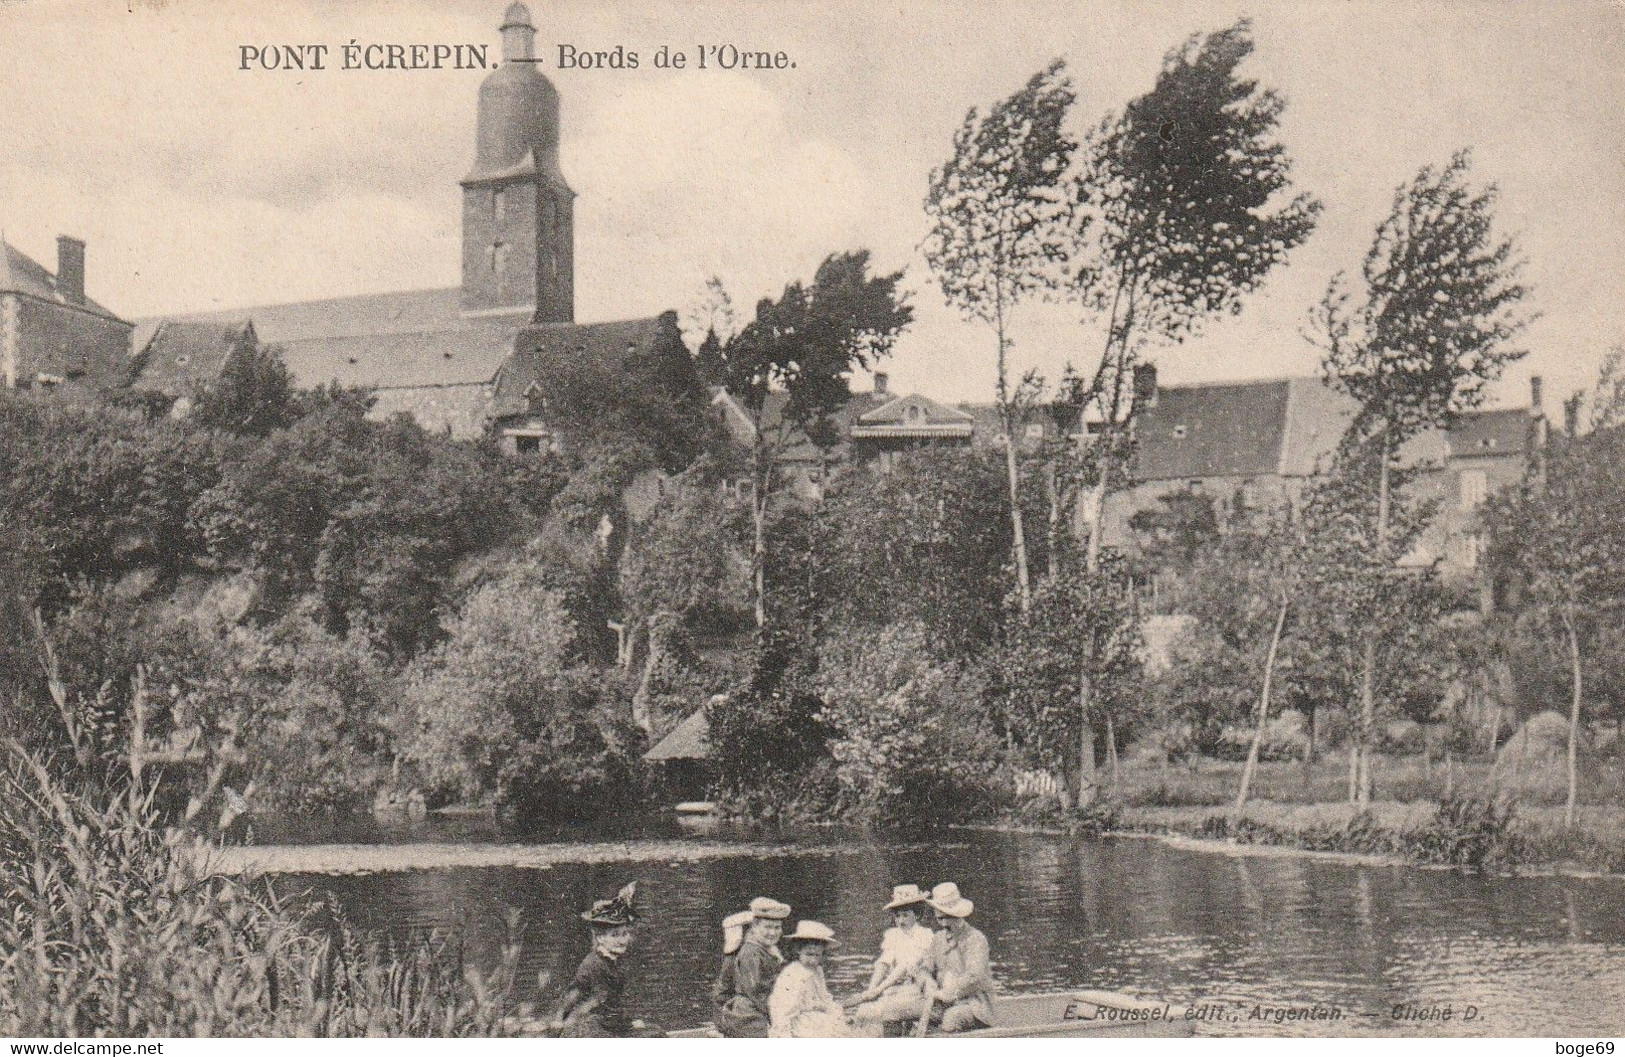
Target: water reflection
{"type": "Point", "coordinates": [1536, 956]}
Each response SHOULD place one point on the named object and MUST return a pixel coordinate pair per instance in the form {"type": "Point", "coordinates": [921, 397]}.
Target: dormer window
{"type": "Point", "coordinates": [913, 412]}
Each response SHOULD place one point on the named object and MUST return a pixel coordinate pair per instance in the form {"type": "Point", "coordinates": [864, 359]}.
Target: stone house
{"type": "Point", "coordinates": [51, 332]}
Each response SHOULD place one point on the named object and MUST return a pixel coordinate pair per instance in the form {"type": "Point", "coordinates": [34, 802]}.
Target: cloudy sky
{"type": "Point", "coordinates": [200, 186]}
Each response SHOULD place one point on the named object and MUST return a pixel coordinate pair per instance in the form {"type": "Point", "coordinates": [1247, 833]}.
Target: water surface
{"type": "Point", "coordinates": [1242, 937]}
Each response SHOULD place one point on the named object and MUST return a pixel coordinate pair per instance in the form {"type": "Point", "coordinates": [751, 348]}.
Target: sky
{"type": "Point", "coordinates": [199, 186]}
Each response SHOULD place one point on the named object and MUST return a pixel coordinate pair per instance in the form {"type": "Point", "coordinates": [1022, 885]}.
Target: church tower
{"type": "Point", "coordinates": [518, 213]}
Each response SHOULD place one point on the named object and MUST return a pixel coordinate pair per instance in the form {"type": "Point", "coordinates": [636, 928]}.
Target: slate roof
{"type": "Point", "coordinates": [454, 356]}
{"type": "Point", "coordinates": [406, 339]}
{"type": "Point", "coordinates": [913, 416]}
{"type": "Point", "coordinates": [21, 274]}
{"type": "Point", "coordinates": [1226, 430]}
{"type": "Point", "coordinates": [689, 740]}
{"type": "Point", "coordinates": [536, 345]}
{"type": "Point", "coordinates": [170, 356]}
{"type": "Point", "coordinates": [1486, 433]}
{"type": "Point", "coordinates": [1289, 427]}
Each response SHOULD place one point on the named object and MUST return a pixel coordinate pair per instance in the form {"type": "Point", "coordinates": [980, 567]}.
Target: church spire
{"type": "Point", "coordinates": [518, 211]}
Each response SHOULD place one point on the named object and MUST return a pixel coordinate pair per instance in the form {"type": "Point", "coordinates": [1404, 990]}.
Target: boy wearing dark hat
{"type": "Point", "coordinates": [593, 1005]}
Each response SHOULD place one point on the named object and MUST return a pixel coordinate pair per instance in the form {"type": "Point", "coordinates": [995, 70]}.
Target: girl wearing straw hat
{"type": "Point", "coordinates": [801, 1006]}
{"type": "Point", "coordinates": [893, 995]}
{"type": "Point", "coordinates": [750, 962]}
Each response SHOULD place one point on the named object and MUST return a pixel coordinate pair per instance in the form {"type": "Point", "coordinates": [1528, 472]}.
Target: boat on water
{"type": "Point", "coordinates": [1098, 1014]}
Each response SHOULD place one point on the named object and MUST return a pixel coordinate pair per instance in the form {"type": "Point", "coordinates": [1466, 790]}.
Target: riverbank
{"type": "Point", "coordinates": [363, 859]}
{"type": "Point", "coordinates": [1472, 834]}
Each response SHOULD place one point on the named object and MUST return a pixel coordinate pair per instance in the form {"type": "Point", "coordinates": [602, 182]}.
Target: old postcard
{"type": "Point", "coordinates": [840, 520]}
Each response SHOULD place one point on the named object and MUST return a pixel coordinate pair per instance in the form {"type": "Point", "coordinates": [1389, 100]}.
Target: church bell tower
{"type": "Point", "coordinates": [518, 212]}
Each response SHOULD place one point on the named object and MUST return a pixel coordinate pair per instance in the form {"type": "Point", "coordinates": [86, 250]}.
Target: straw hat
{"type": "Point", "coordinates": [906, 896]}
{"type": "Point", "coordinates": [813, 932]}
{"type": "Point", "coordinates": [608, 913]}
{"type": "Point", "coordinates": [733, 930]}
{"type": "Point", "coordinates": [945, 899]}
{"type": "Point", "coordinates": [772, 909]}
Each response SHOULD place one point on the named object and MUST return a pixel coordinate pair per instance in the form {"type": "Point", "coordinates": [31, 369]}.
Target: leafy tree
{"type": "Point", "coordinates": [1562, 537]}
{"type": "Point", "coordinates": [253, 394]}
{"type": "Point", "coordinates": [997, 209]}
{"type": "Point", "coordinates": [1361, 608]}
{"type": "Point", "coordinates": [799, 351]}
{"type": "Point", "coordinates": [912, 740]}
{"type": "Point", "coordinates": [505, 711]}
{"type": "Point", "coordinates": [1072, 658]}
{"type": "Point", "coordinates": [1422, 335]}
{"type": "Point", "coordinates": [1183, 206]}
{"type": "Point", "coordinates": [685, 566]}
{"type": "Point", "coordinates": [891, 546]}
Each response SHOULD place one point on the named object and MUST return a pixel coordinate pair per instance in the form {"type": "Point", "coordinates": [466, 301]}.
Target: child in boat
{"type": "Point", "coordinates": [893, 994]}
{"type": "Point", "coordinates": [751, 961]}
{"type": "Point", "coordinates": [801, 1006]}
{"type": "Point", "coordinates": [593, 1006]}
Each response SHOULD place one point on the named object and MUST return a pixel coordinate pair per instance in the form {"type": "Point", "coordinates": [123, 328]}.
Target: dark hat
{"type": "Point", "coordinates": [608, 913]}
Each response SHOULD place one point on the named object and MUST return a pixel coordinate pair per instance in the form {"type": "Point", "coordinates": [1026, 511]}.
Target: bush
{"type": "Point", "coordinates": [1473, 832]}
{"type": "Point", "coordinates": [911, 739]}
{"type": "Point", "coordinates": [505, 711]}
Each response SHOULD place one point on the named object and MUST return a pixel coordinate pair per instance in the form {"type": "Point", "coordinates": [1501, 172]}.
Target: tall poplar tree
{"type": "Point", "coordinates": [998, 213]}
{"type": "Point", "coordinates": [1418, 339]}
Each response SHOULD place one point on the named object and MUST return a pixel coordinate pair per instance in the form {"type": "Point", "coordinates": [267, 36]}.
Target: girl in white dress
{"type": "Point", "coordinates": [801, 1006]}
{"type": "Point", "coordinates": [893, 994]}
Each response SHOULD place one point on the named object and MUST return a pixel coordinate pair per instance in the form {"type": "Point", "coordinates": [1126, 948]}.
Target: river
{"type": "Point", "coordinates": [1252, 941]}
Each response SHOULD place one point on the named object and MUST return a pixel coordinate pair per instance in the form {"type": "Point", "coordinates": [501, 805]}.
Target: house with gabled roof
{"type": "Point", "coordinates": [51, 332]}
{"type": "Point", "coordinates": [1256, 444]}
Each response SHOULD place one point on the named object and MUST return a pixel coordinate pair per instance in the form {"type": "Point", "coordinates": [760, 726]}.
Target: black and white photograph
{"type": "Point", "coordinates": [724, 518]}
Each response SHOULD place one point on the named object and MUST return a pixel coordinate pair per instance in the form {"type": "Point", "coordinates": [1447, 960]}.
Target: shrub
{"type": "Point", "coordinates": [911, 738]}
{"type": "Point", "coordinates": [1473, 832]}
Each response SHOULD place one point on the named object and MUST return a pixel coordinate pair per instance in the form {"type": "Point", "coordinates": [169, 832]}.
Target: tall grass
{"type": "Point", "coordinates": [113, 924]}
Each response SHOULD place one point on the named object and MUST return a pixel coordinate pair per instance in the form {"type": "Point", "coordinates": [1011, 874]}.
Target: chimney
{"type": "Point", "coordinates": [1145, 386]}
{"type": "Point", "coordinates": [881, 381]}
{"type": "Point", "coordinates": [1534, 394]}
{"type": "Point", "coordinates": [70, 268]}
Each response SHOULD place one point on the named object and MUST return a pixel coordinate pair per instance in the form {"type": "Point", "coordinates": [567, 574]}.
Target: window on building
{"type": "Point", "coordinates": [499, 256]}
{"type": "Point", "coordinates": [1035, 431]}
{"type": "Point", "coordinates": [1474, 489]}
{"type": "Point", "coordinates": [1180, 432]}
{"type": "Point", "coordinates": [499, 203]}
{"type": "Point", "coordinates": [527, 445]}
{"type": "Point", "coordinates": [1472, 548]}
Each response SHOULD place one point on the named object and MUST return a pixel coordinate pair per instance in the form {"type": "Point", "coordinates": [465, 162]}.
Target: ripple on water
{"type": "Point", "coordinates": [1537, 956]}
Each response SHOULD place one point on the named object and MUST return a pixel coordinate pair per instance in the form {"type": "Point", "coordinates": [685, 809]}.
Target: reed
{"type": "Point", "coordinates": [115, 925]}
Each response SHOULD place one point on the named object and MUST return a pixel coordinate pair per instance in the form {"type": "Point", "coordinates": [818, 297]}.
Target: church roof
{"type": "Point", "coordinates": [409, 338]}
{"type": "Point", "coordinates": [21, 274]}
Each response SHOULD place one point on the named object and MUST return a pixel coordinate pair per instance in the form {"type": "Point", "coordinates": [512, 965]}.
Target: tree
{"type": "Point", "coordinates": [1423, 334]}
{"type": "Point", "coordinates": [1562, 536]}
{"type": "Point", "coordinates": [1366, 617]}
{"type": "Point", "coordinates": [253, 394]}
{"type": "Point", "coordinates": [998, 211]}
{"type": "Point", "coordinates": [1181, 210]}
{"type": "Point", "coordinates": [1072, 658]}
{"type": "Point", "coordinates": [796, 355]}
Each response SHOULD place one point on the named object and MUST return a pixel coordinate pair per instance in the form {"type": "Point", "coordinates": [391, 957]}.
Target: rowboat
{"type": "Point", "coordinates": [1097, 1014]}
